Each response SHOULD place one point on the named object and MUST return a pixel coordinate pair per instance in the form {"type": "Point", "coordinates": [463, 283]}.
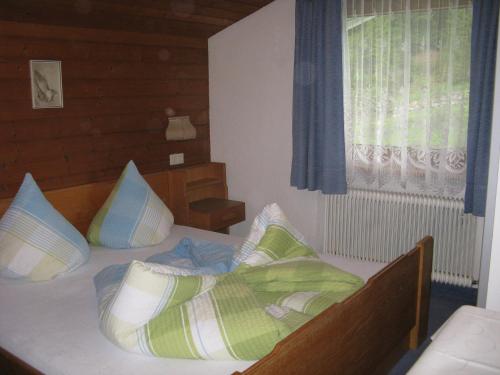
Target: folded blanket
{"type": "Point", "coordinates": [277, 286]}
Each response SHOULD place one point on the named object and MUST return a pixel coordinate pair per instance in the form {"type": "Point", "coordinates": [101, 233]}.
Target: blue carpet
{"type": "Point", "coordinates": [445, 299]}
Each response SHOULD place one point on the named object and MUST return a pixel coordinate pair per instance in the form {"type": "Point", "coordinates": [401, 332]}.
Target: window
{"type": "Point", "coordinates": [406, 87]}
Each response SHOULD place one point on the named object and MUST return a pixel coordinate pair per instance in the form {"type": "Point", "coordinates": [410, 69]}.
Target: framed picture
{"type": "Point", "coordinates": [46, 84]}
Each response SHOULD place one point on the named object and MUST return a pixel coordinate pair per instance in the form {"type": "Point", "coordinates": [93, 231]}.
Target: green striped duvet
{"type": "Point", "coordinates": [279, 285]}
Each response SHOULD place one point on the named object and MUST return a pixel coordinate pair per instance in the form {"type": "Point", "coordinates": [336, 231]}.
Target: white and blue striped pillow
{"type": "Point", "coordinates": [36, 242]}
{"type": "Point", "coordinates": [132, 216]}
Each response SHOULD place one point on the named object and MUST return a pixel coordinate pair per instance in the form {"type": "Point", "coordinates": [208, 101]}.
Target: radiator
{"type": "Point", "coordinates": [379, 226]}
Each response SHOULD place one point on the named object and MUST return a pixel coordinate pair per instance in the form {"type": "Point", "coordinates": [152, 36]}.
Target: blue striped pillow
{"type": "Point", "coordinates": [36, 242]}
{"type": "Point", "coordinates": [132, 216]}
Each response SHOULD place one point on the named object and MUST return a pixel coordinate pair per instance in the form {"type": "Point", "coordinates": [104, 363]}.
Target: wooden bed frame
{"type": "Point", "coordinates": [365, 334]}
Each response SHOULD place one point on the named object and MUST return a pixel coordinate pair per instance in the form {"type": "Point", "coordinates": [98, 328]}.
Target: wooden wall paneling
{"type": "Point", "coordinates": [85, 51]}
{"type": "Point", "coordinates": [124, 64]}
{"type": "Point", "coordinates": [7, 134]}
{"type": "Point", "coordinates": [234, 6]}
{"type": "Point", "coordinates": [116, 87]}
{"type": "Point", "coordinates": [14, 89]}
{"type": "Point", "coordinates": [107, 37]}
{"type": "Point", "coordinates": [221, 10]}
{"type": "Point", "coordinates": [176, 10]}
{"type": "Point", "coordinates": [101, 106]}
{"type": "Point", "coordinates": [193, 18]}
{"type": "Point", "coordinates": [126, 70]}
{"type": "Point", "coordinates": [102, 16]}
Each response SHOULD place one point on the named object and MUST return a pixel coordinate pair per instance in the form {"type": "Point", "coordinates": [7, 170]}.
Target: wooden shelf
{"type": "Point", "coordinates": [216, 214]}
{"type": "Point", "coordinates": [198, 197]}
{"type": "Point", "coordinates": [203, 183]}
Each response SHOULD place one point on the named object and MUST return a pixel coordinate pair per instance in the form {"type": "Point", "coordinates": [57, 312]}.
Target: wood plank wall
{"type": "Point", "coordinates": [116, 87]}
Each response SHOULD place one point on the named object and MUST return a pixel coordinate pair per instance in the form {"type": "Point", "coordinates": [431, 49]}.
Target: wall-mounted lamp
{"type": "Point", "coordinates": [180, 128]}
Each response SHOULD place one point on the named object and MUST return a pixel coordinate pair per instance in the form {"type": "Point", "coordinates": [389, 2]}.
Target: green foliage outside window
{"type": "Point", "coordinates": [436, 104]}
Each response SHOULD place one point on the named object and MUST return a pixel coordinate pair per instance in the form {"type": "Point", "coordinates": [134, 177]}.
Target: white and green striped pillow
{"type": "Point", "coordinates": [271, 237]}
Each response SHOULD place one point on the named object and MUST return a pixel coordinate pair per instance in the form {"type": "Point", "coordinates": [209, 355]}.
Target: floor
{"type": "Point", "coordinates": [445, 299]}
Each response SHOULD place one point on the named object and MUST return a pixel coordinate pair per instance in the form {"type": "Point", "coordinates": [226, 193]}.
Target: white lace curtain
{"type": "Point", "coordinates": [406, 87]}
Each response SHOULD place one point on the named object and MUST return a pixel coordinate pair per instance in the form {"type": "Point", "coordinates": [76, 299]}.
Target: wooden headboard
{"type": "Point", "coordinates": [79, 204]}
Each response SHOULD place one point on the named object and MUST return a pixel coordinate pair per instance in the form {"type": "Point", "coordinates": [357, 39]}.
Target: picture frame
{"type": "Point", "coordinates": [46, 84]}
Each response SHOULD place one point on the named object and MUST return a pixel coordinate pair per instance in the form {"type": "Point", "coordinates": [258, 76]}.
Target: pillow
{"type": "Point", "coordinates": [132, 216]}
{"type": "Point", "coordinates": [36, 242]}
{"type": "Point", "coordinates": [271, 237]}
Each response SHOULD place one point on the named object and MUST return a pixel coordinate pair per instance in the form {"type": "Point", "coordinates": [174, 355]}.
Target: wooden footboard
{"type": "Point", "coordinates": [11, 365]}
{"type": "Point", "coordinates": [369, 331]}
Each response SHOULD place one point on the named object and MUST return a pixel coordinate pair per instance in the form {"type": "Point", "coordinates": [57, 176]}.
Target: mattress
{"type": "Point", "coordinates": [53, 325]}
{"type": "Point", "coordinates": [467, 343]}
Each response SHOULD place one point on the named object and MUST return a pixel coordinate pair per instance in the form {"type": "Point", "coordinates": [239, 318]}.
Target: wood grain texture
{"type": "Point", "coordinates": [419, 332]}
{"type": "Point", "coordinates": [11, 365]}
{"type": "Point", "coordinates": [195, 183]}
{"type": "Point", "coordinates": [116, 85]}
{"type": "Point", "coordinates": [216, 214]}
{"type": "Point", "coordinates": [200, 18]}
{"type": "Point", "coordinates": [123, 64]}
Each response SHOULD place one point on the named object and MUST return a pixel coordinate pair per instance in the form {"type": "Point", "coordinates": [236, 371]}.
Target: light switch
{"type": "Point", "coordinates": [176, 159]}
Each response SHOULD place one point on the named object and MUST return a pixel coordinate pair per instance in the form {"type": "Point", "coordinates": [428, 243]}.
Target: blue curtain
{"type": "Point", "coordinates": [318, 161]}
{"type": "Point", "coordinates": [482, 79]}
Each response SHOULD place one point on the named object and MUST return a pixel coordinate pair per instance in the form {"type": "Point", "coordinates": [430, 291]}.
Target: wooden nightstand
{"type": "Point", "coordinates": [216, 214]}
{"type": "Point", "coordinates": [198, 197]}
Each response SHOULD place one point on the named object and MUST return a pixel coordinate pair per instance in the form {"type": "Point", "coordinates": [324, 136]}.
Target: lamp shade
{"type": "Point", "coordinates": [180, 128]}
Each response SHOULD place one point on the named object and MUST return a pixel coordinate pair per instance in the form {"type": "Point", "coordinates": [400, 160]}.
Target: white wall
{"type": "Point", "coordinates": [489, 281]}
{"type": "Point", "coordinates": [251, 74]}
{"type": "Point", "coordinates": [251, 82]}
{"type": "Point", "coordinates": [493, 295]}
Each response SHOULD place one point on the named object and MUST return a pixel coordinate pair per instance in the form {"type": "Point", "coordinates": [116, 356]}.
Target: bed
{"type": "Point", "coordinates": [367, 333]}
{"type": "Point", "coordinates": [467, 343]}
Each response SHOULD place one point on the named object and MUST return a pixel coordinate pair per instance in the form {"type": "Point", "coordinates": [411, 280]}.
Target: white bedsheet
{"type": "Point", "coordinates": [467, 343]}
{"type": "Point", "coordinates": [53, 325]}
